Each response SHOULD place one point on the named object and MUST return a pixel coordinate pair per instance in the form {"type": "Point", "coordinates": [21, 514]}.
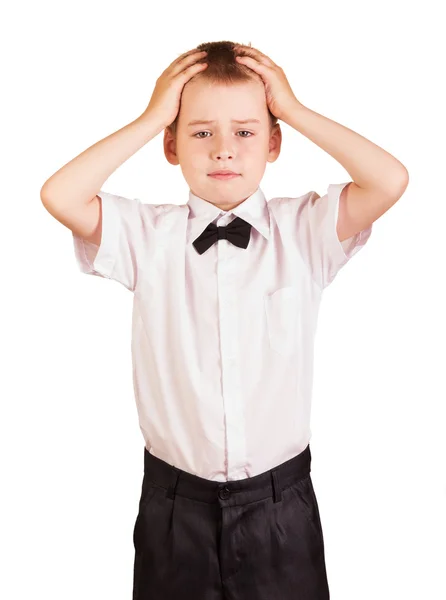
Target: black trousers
{"type": "Point", "coordinates": [258, 538]}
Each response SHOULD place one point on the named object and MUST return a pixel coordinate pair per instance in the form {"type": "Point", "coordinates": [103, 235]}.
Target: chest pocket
{"type": "Point", "coordinates": [282, 309]}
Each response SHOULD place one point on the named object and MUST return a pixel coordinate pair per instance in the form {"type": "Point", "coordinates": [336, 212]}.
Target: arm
{"type": "Point", "coordinates": [70, 195]}
{"type": "Point", "coordinates": [79, 180]}
{"type": "Point", "coordinates": [379, 179]}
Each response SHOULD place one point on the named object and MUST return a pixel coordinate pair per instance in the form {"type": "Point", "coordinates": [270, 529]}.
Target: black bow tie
{"type": "Point", "coordinates": [237, 232]}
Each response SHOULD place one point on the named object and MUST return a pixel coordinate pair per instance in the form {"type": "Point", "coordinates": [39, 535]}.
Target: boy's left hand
{"type": "Point", "coordinates": [279, 95]}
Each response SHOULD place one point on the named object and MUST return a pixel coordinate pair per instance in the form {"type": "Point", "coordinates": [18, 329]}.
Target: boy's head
{"type": "Point", "coordinates": [225, 90]}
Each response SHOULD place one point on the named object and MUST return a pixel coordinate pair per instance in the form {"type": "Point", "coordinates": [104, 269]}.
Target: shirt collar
{"type": "Point", "coordinates": [254, 210]}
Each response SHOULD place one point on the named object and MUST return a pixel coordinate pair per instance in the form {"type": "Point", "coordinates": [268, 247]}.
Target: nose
{"type": "Point", "coordinates": [222, 148]}
{"type": "Point", "coordinates": [223, 155]}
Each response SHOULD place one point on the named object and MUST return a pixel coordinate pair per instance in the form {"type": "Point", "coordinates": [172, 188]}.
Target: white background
{"type": "Point", "coordinates": [71, 449]}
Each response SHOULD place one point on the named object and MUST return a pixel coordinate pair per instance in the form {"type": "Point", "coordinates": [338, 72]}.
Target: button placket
{"type": "Point", "coordinates": [232, 398]}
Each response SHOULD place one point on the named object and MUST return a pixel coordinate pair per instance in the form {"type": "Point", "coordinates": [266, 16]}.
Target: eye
{"type": "Point", "coordinates": [245, 136]}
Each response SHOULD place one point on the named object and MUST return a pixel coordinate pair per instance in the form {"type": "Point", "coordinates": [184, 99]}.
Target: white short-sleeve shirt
{"type": "Point", "coordinates": [222, 342]}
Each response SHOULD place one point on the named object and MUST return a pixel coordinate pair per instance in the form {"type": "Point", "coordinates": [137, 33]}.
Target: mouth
{"type": "Point", "coordinates": [223, 174]}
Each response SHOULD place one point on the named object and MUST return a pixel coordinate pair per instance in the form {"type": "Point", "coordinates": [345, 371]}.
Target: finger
{"type": "Point", "coordinates": [256, 54]}
{"type": "Point", "coordinates": [253, 63]}
{"type": "Point", "coordinates": [186, 60]}
{"type": "Point", "coordinates": [190, 52]}
{"type": "Point", "coordinates": [191, 70]}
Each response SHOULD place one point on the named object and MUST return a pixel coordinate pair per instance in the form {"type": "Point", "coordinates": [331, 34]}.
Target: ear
{"type": "Point", "coordinates": [275, 143]}
{"type": "Point", "coordinates": [170, 147]}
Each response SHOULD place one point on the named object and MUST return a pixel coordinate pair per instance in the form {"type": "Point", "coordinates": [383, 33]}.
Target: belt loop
{"type": "Point", "coordinates": [173, 486]}
{"type": "Point", "coordinates": [277, 492]}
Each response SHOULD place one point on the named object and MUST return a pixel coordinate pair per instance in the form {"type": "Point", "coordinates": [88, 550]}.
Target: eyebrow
{"type": "Point", "coordinates": [233, 121]}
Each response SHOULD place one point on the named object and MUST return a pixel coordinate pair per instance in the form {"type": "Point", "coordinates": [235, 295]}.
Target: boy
{"type": "Point", "coordinates": [226, 293]}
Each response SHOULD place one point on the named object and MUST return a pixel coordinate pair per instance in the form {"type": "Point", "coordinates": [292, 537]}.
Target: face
{"type": "Point", "coordinates": [203, 148]}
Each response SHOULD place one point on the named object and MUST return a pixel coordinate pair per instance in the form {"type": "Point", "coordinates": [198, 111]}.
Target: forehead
{"type": "Point", "coordinates": [199, 99]}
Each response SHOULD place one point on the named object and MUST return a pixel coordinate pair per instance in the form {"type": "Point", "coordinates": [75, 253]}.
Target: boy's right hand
{"type": "Point", "coordinates": [165, 101]}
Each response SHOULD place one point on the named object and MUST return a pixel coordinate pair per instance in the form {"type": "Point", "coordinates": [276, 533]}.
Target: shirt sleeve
{"type": "Point", "coordinates": [319, 244]}
{"type": "Point", "coordinates": [128, 238]}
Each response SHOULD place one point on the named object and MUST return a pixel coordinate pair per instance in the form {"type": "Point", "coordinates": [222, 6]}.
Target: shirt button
{"type": "Point", "coordinates": [224, 493]}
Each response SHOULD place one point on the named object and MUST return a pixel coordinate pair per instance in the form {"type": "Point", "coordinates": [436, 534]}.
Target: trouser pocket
{"type": "Point", "coordinates": [147, 492]}
{"type": "Point", "coordinates": [308, 506]}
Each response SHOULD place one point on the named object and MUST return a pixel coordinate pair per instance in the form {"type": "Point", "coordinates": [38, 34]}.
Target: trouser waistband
{"type": "Point", "coordinates": [270, 483]}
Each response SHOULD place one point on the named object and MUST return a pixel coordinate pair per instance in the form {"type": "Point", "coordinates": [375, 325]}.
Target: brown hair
{"type": "Point", "coordinates": [223, 68]}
